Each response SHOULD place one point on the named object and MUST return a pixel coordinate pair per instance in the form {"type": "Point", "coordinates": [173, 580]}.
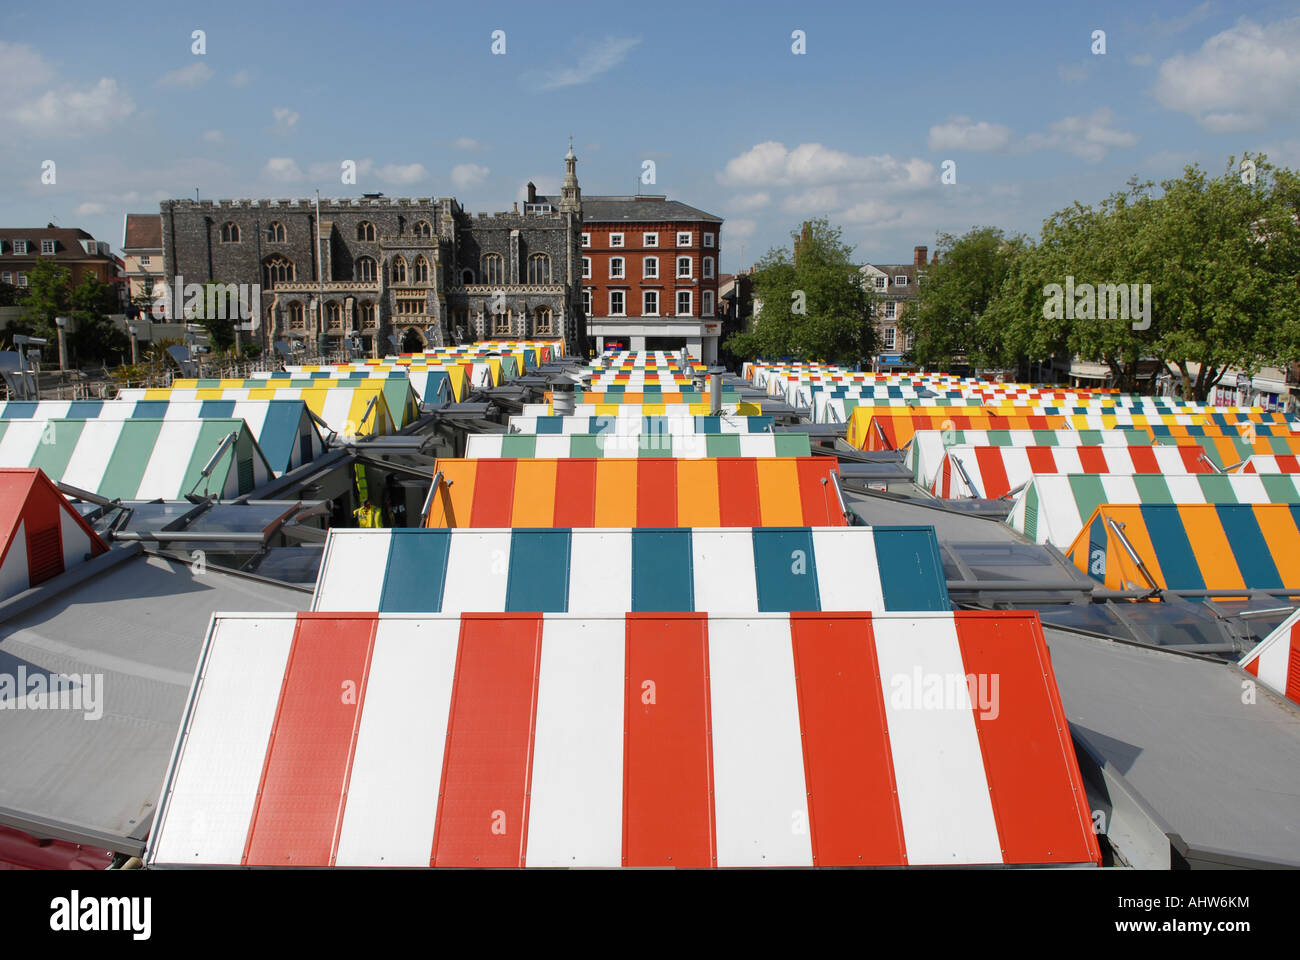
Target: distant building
{"type": "Point", "coordinates": [22, 247]}
{"type": "Point", "coordinates": [142, 249]}
{"type": "Point", "coordinates": [650, 274]}
{"type": "Point", "coordinates": [895, 286]}
{"type": "Point", "coordinates": [411, 273]}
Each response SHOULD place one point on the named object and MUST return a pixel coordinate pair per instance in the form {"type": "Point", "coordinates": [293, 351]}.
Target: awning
{"type": "Point", "coordinates": [41, 536]}
{"type": "Point", "coordinates": [1193, 547]}
{"type": "Point", "coordinates": [996, 471]}
{"type": "Point", "coordinates": [689, 446]}
{"type": "Point", "coordinates": [140, 458]}
{"type": "Point", "coordinates": [1276, 659]}
{"type": "Point", "coordinates": [645, 740]}
{"type": "Point", "coordinates": [927, 448]}
{"type": "Point", "coordinates": [888, 428]}
{"type": "Point", "coordinates": [646, 492]}
{"type": "Point", "coordinates": [342, 405]}
{"type": "Point", "coordinates": [1053, 508]}
{"type": "Point", "coordinates": [633, 425]}
{"type": "Point", "coordinates": [735, 569]}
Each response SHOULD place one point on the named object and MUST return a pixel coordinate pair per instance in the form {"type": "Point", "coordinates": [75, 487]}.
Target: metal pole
{"type": "Point", "coordinates": [320, 280]}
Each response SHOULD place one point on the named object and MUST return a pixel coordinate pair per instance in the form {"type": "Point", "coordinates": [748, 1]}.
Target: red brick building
{"type": "Point", "coordinates": [22, 247]}
{"type": "Point", "coordinates": [650, 275]}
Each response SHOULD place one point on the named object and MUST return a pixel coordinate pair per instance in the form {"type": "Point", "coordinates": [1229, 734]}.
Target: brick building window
{"type": "Point", "coordinates": [275, 233]}
{"type": "Point", "coordinates": [650, 268]}
{"type": "Point", "coordinates": [706, 303]}
{"type": "Point", "coordinates": [617, 304]}
{"type": "Point", "coordinates": [586, 301]}
{"type": "Point", "coordinates": [683, 239]}
{"type": "Point", "coordinates": [539, 268]}
{"type": "Point", "coordinates": [20, 246]}
{"type": "Point", "coordinates": [542, 322]}
{"type": "Point", "coordinates": [650, 240]}
{"type": "Point", "coordinates": [366, 231]}
{"type": "Point", "coordinates": [684, 267]}
{"type": "Point", "coordinates": [616, 268]}
{"type": "Point", "coordinates": [230, 233]}
{"type": "Point", "coordinates": [707, 272]}
{"type": "Point", "coordinates": [586, 239]}
{"type": "Point", "coordinates": [900, 280]}
{"type": "Point", "coordinates": [890, 338]}
{"type": "Point", "coordinates": [683, 303]}
{"type": "Point", "coordinates": [494, 268]}
{"type": "Point", "coordinates": [275, 270]}
{"type": "Point", "coordinates": [22, 280]}
{"type": "Point", "coordinates": [891, 309]}
{"type": "Point", "coordinates": [586, 268]}
{"type": "Point", "coordinates": [708, 239]}
{"type": "Point", "coordinates": [47, 248]}
{"type": "Point", "coordinates": [880, 282]}
{"type": "Point", "coordinates": [424, 229]}
{"type": "Point", "coordinates": [397, 270]}
{"type": "Point", "coordinates": [420, 270]}
{"type": "Point", "coordinates": [616, 239]}
{"type": "Point", "coordinates": [650, 303]}
{"type": "Point", "coordinates": [366, 270]}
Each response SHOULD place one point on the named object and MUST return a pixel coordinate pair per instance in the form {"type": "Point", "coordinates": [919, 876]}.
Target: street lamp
{"type": "Point", "coordinates": [62, 323]}
{"type": "Point", "coordinates": [135, 358]}
{"type": "Point", "coordinates": [20, 341]}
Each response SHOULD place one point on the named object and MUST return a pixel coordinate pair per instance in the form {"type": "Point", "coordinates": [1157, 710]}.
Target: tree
{"type": "Point", "coordinates": [812, 306]}
{"type": "Point", "coordinates": [96, 337]}
{"type": "Point", "coordinates": [217, 314]}
{"type": "Point", "coordinates": [949, 317]}
{"type": "Point", "coordinates": [47, 297]}
{"type": "Point", "coordinates": [10, 295]}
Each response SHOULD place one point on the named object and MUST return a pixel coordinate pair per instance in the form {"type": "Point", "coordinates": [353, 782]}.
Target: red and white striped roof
{"type": "Point", "coordinates": [1276, 659]}
{"type": "Point", "coordinates": [681, 740]}
{"type": "Point", "coordinates": [41, 535]}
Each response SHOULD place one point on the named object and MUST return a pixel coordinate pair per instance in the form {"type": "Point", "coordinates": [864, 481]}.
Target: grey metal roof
{"type": "Point", "coordinates": [631, 208]}
{"type": "Point", "coordinates": [139, 621]}
{"type": "Point", "coordinates": [1222, 775]}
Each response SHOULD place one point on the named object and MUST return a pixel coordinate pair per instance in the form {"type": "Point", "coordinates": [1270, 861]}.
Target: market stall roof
{"type": "Point", "coordinates": [342, 404]}
{"type": "Point", "coordinates": [688, 446]}
{"type": "Point", "coordinates": [283, 429]}
{"type": "Point", "coordinates": [1276, 659]}
{"type": "Point", "coordinates": [133, 625]}
{"type": "Point", "coordinates": [995, 471]}
{"type": "Point", "coordinates": [645, 492]}
{"type": "Point", "coordinates": [530, 740]}
{"type": "Point", "coordinates": [141, 458]}
{"type": "Point", "coordinates": [665, 424]}
{"type": "Point", "coordinates": [1053, 508]}
{"type": "Point", "coordinates": [1192, 546]}
{"type": "Point", "coordinates": [925, 451]}
{"type": "Point", "coordinates": [735, 569]}
{"type": "Point", "coordinates": [891, 428]}
{"type": "Point", "coordinates": [41, 536]}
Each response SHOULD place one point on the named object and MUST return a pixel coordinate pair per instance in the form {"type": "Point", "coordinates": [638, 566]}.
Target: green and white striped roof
{"type": "Point", "coordinates": [927, 448]}
{"type": "Point", "coordinates": [137, 459]}
{"type": "Point", "coordinates": [1054, 507]}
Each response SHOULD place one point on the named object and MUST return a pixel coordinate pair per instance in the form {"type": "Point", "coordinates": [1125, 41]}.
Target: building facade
{"type": "Point", "coordinates": [650, 275]}
{"type": "Point", "coordinates": [142, 254]}
{"type": "Point", "coordinates": [894, 286]}
{"type": "Point", "coordinates": [22, 247]}
{"type": "Point", "coordinates": [406, 274]}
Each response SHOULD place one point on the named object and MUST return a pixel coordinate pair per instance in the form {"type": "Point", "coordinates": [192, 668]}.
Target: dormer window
{"type": "Point", "coordinates": [881, 282]}
{"type": "Point", "coordinates": [47, 248]}
{"type": "Point", "coordinates": [900, 280]}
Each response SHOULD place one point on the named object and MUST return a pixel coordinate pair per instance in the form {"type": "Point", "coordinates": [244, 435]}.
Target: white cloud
{"type": "Point", "coordinates": [1166, 28]}
{"type": "Point", "coordinates": [285, 119]}
{"type": "Point", "coordinates": [739, 228]}
{"type": "Point", "coordinates": [90, 209]}
{"type": "Point", "coordinates": [70, 112]}
{"type": "Point", "coordinates": [467, 175]}
{"type": "Point", "coordinates": [187, 78]}
{"type": "Point", "coordinates": [606, 54]}
{"type": "Point", "coordinates": [770, 164]}
{"type": "Point", "coordinates": [963, 133]}
{"type": "Point", "coordinates": [1089, 137]}
{"type": "Point", "coordinates": [1141, 59]}
{"type": "Point", "coordinates": [214, 136]}
{"type": "Point", "coordinates": [815, 200]}
{"type": "Point", "coordinates": [282, 170]}
{"type": "Point", "coordinates": [467, 143]}
{"type": "Point", "coordinates": [1240, 79]}
{"type": "Point", "coordinates": [240, 79]}
{"type": "Point", "coordinates": [1073, 74]}
{"type": "Point", "coordinates": [751, 201]}
{"type": "Point", "coordinates": [869, 212]}
{"type": "Point", "coordinates": [21, 68]}
{"type": "Point", "coordinates": [401, 175]}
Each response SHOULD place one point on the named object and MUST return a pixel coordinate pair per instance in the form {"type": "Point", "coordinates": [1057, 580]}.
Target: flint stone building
{"type": "Point", "coordinates": [421, 271]}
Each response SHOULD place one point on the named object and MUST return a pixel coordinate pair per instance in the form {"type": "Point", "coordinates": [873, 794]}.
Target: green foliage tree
{"type": "Point", "coordinates": [948, 319]}
{"type": "Point", "coordinates": [811, 307]}
{"type": "Point", "coordinates": [10, 295]}
{"type": "Point", "coordinates": [96, 338]}
{"type": "Point", "coordinates": [221, 330]}
{"type": "Point", "coordinates": [48, 297]}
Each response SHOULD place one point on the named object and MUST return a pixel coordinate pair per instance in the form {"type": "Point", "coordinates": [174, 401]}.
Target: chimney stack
{"type": "Point", "coordinates": [532, 192]}
{"type": "Point", "coordinates": [918, 256]}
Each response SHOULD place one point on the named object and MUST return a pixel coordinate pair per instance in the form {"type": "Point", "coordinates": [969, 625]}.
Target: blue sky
{"type": "Point", "coordinates": [856, 129]}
